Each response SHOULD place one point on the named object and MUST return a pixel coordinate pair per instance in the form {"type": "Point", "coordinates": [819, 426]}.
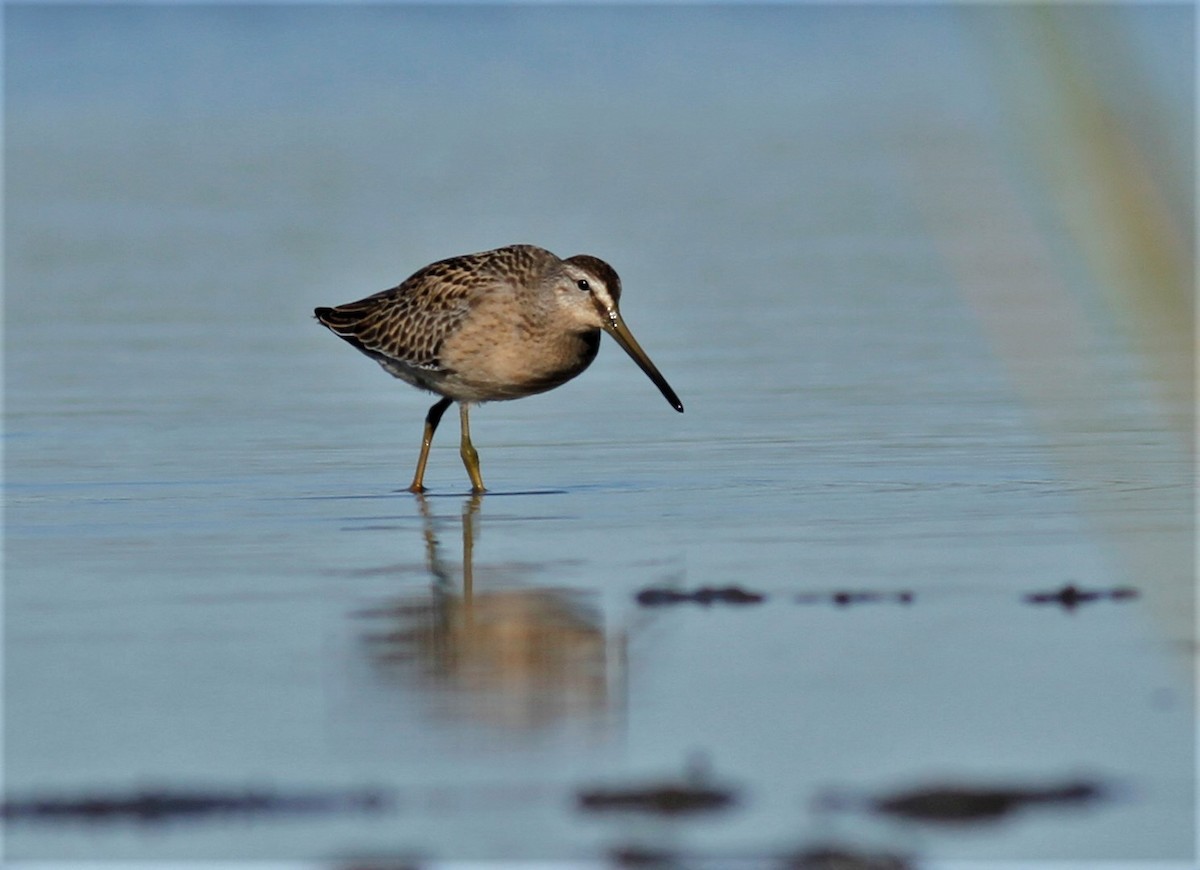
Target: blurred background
{"type": "Point", "coordinates": [923, 277]}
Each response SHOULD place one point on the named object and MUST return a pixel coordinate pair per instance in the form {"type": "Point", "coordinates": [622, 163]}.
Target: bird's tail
{"type": "Point", "coordinates": [343, 320]}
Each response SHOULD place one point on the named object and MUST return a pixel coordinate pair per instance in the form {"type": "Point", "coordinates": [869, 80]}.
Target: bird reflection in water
{"type": "Point", "coordinates": [499, 652]}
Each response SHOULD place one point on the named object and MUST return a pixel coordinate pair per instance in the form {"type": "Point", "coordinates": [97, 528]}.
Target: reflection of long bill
{"type": "Point", "coordinates": [617, 329]}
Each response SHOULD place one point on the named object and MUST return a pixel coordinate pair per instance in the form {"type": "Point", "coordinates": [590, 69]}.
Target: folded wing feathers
{"type": "Point", "coordinates": [397, 325]}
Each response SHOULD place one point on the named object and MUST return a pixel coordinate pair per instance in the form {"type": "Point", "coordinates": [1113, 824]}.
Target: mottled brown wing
{"type": "Point", "coordinates": [398, 326]}
{"type": "Point", "coordinates": [409, 323]}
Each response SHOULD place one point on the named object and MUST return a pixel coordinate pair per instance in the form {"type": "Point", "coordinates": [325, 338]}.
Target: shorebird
{"type": "Point", "coordinates": [485, 327]}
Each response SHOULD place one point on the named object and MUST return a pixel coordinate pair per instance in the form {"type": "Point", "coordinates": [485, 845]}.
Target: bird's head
{"type": "Point", "coordinates": [589, 290]}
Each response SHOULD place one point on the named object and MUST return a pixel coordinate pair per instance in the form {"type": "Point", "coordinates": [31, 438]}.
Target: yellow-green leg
{"type": "Point", "coordinates": [467, 450]}
{"type": "Point", "coordinates": [431, 423]}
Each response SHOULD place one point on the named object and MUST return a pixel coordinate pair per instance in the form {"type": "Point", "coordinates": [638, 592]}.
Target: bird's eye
{"type": "Point", "coordinates": [582, 284]}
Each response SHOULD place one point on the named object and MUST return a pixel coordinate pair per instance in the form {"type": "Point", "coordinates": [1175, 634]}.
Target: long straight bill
{"type": "Point", "coordinates": [617, 329]}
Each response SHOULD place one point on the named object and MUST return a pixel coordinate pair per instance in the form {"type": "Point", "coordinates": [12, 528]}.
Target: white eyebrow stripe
{"type": "Point", "coordinates": [602, 295]}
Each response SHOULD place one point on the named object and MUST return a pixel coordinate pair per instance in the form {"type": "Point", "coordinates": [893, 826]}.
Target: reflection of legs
{"type": "Point", "coordinates": [431, 543]}
{"type": "Point", "coordinates": [469, 457]}
{"type": "Point", "coordinates": [431, 423]}
{"type": "Point", "coordinates": [470, 510]}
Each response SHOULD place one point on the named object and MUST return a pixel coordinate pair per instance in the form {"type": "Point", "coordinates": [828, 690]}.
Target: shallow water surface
{"type": "Point", "coordinates": [916, 396]}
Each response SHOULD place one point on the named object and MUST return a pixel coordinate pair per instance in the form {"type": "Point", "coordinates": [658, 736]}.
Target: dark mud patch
{"type": "Point", "coordinates": [848, 598]}
{"type": "Point", "coordinates": [660, 596]}
{"type": "Point", "coordinates": [646, 856]}
{"type": "Point", "coordinates": [964, 805]}
{"type": "Point", "coordinates": [840, 858]}
{"type": "Point", "coordinates": [403, 862]}
{"type": "Point", "coordinates": [1071, 596]}
{"type": "Point", "coordinates": [812, 858]}
{"type": "Point", "coordinates": [693, 793]}
{"type": "Point", "coordinates": [666, 799]}
{"type": "Point", "coordinates": [161, 806]}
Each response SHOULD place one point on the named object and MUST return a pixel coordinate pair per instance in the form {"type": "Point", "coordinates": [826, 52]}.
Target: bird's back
{"type": "Point", "coordinates": [405, 327]}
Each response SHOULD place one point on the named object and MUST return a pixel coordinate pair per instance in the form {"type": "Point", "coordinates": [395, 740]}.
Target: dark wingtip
{"type": "Point", "coordinates": [322, 313]}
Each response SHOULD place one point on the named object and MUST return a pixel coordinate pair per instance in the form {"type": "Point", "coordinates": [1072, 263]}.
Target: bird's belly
{"type": "Point", "coordinates": [487, 371]}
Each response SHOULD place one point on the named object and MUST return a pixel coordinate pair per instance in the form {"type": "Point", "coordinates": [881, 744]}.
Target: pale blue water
{"type": "Point", "coordinates": [212, 578]}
